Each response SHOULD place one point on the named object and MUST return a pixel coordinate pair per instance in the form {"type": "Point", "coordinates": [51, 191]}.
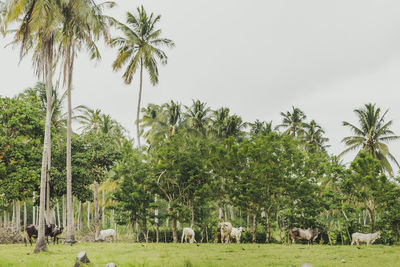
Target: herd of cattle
{"type": "Point", "coordinates": [226, 234]}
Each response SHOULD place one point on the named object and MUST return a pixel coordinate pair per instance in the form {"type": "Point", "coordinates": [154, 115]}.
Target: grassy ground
{"type": "Point", "coordinates": [133, 254]}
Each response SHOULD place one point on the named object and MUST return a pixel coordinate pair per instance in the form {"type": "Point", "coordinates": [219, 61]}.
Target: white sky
{"type": "Point", "coordinates": [258, 58]}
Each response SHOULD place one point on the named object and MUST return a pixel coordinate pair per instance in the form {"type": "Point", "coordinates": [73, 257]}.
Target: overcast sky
{"type": "Point", "coordinates": [258, 58]}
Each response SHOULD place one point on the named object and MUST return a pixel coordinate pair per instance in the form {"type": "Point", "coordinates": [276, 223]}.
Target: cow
{"type": "Point", "coordinates": [104, 234]}
{"type": "Point", "coordinates": [364, 238]}
{"type": "Point", "coordinates": [55, 233]}
{"type": "Point", "coordinates": [32, 231]}
{"type": "Point", "coordinates": [226, 229]}
{"type": "Point", "coordinates": [188, 233]}
{"type": "Point", "coordinates": [309, 234]}
{"type": "Point", "coordinates": [236, 234]}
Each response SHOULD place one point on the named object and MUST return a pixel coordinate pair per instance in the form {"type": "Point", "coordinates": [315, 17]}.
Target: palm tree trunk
{"type": "Point", "coordinates": [41, 242]}
{"type": "Point", "coordinates": [103, 219]}
{"type": "Point", "coordinates": [254, 228]}
{"type": "Point", "coordinates": [96, 210]}
{"type": "Point", "coordinates": [139, 100]}
{"type": "Point", "coordinates": [78, 226]}
{"type": "Point", "coordinates": [25, 215]}
{"type": "Point", "coordinates": [88, 215]}
{"type": "Point", "coordinates": [58, 213]}
{"type": "Point", "coordinates": [156, 221]}
{"type": "Point", "coordinates": [371, 220]}
{"type": "Point", "coordinates": [174, 234]}
{"type": "Point", "coordinates": [70, 238]}
{"type": "Point", "coordinates": [18, 217]}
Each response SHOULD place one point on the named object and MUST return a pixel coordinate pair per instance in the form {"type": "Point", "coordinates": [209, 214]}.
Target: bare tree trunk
{"type": "Point", "coordinates": [230, 208]}
{"type": "Point", "coordinates": [48, 181]}
{"type": "Point", "coordinates": [14, 216]}
{"type": "Point", "coordinates": [156, 220]}
{"type": "Point", "coordinates": [139, 100]}
{"type": "Point", "coordinates": [207, 234]}
{"type": "Point", "coordinates": [192, 223]}
{"type": "Point", "coordinates": [5, 219]}
{"type": "Point", "coordinates": [79, 216]}
{"type": "Point", "coordinates": [371, 220]}
{"type": "Point", "coordinates": [103, 210]}
{"type": "Point", "coordinates": [41, 243]}
{"type": "Point", "coordinates": [58, 213]}
{"type": "Point", "coordinates": [18, 217]}
{"type": "Point", "coordinates": [33, 215]}
{"type": "Point", "coordinates": [70, 238]}
{"type": "Point", "coordinates": [248, 222]}
{"type": "Point", "coordinates": [174, 233]}
{"type": "Point", "coordinates": [96, 210]}
{"type": "Point", "coordinates": [221, 214]}
{"type": "Point", "coordinates": [64, 211]}
{"type": "Point", "coordinates": [1, 221]}
{"type": "Point", "coordinates": [268, 235]}
{"type": "Point", "coordinates": [88, 214]}
{"type": "Point", "coordinates": [254, 228]}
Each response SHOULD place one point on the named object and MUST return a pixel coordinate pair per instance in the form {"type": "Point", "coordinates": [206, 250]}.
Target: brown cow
{"type": "Point", "coordinates": [309, 234]}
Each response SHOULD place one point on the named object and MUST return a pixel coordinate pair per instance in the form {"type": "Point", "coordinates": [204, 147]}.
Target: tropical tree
{"type": "Point", "coordinates": [36, 26]}
{"type": "Point", "coordinates": [372, 135]}
{"type": "Point", "coordinates": [293, 122]}
{"type": "Point", "coordinates": [196, 116]}
{"type": "Point", "coordinates": [139, 48]}
{"type": "Point", "coordinates": [260, 128]}
{"type": "Point", "coordinates": [313, 137]}
{"type": "Point", "coordinates": [82, 24]}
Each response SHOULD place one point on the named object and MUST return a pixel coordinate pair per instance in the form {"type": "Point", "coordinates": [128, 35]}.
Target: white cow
{"type": "Point", "coordinates": [364, 238]}
{"type": "Point", "coordinates": [104, 234]}
{"type": "Point", "coordinates": [188, 233]}
{"type": "Point", "coordinates": [226, 229]}
{"type": "Point", "coordinates": [237, 233]}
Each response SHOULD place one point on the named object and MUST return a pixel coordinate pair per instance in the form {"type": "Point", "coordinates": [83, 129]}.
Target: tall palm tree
{"type": "Point", "coordinates": [260, 128]}
{"type": "Point", "coordinates": [372, 135]}
{"type": "Point", "coordinates": [139, 49]}
{"type": "Point", "coordinates": [197, 116]}
{"type": "Point", "coordinates": [82, 24]}
{"type": "Point", "coordinates": [224, 125]}
{"type": "Point", "coordinates": [293, 122]}
{"type": "Point", "coordinates": [313, 137]}
{"type": "Point", "coordinates": [36, 26]}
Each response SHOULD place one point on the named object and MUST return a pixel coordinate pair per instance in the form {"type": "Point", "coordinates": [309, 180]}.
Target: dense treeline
{"type": "Point", "coordinates": [199, 167]}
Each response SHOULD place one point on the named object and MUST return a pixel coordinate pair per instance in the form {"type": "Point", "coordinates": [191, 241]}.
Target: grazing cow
{"type": "Point", "coordinates": [104, 234]}
{"type": "Point", "coordinates": [55, 233]}
{"type": "Point", "coordinates": [364, 238]}
{"type": "Point", "coordinates": [236, 234]}
{"type": "Point", "coordinates": [306, 234]}
{"type": "Point", "coordinates": [32, 231]}
{"type": "Point", "coordinates": [188, 233]}
{"type": "Point", "coordinates": [226, 229]}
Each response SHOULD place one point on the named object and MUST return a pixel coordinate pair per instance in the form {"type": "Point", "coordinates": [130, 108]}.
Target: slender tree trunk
{"type": "Point", "coordinates": [58, 213]}
{"type": "Point", "coordinates": [48, 182]}
{"type": "Point", "coordinates": [70, 238]}
{"type": "Point", "coordinates": [174, 234]}
{"type": "Point", "coordinates": [156, 220]}
{"type": "Point", "coordinates": [139, 100]}
{"type": "Point", "coordinates": [96, 210]}
{"type": "Point", "coordinates": [230, 208]}
{"type": "Point", "coordinates": [5, 219]}
{"type": "Point", "coordinates": [88, 214]}
{"type": "Point", "coordinates": [268, 235]}
{"type": "Point", "coordinates": [371, 220]}
{"type": "Point", "coordinates": [18, 217]}
{"type": "Point", "coordinates": [64, 211]}
{"type": "Point", "coordinates": [1, 221]}
{"type": "Point", "coordinates": [14, 216]}
{"type": "Point", "coordinates": [41, 242]}
{"type": "Point", "coordinates": [206, 234]}
{"type": "Point", "coordinates": [192, 223]}
{"type": "Point", "coordinates": [79, 216]}
{"type": "Point", "coordinates": [254, 228]}
{"type": "Point", "coordinates": [103, 218]}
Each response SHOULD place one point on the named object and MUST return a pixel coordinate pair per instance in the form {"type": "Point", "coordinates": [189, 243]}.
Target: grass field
{"type": "Point", "coordinates": [133, 254]}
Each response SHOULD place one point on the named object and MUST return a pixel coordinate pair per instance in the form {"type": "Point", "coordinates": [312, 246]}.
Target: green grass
{"type": "Point", "coordinates": [133, 254]}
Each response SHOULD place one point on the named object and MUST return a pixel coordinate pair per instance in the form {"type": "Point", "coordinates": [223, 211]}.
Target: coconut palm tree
{"type": "Point", "coordinates": [196, 116]}
{"type": "Point", "coordinates": [293, 122]}
{"type": "Point", "coordinates": [37, 21]}
{"type": "Point", "coordinates": [260, 128]}
{"type": "Point", "coordinates": [82, 24]}
{"type": "Point", "coordinates": [138, 49]}
{"type": "Point", "coordinates": [224, 125]}
{"type": "Point", "coordinates": [372, 135]}
{"type": "Point", "coordinates": [313, 137]}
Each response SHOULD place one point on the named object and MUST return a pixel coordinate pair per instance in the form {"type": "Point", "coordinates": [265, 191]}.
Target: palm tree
{"type": "Point", "coordinates": [313, 137]}
{"type": "Point", "coordinates": [139, 49]}
{"type": "Point", "coordinates": [82, 24]}
{"type": "Point", "coordinates": [293, 122]}
{"type": "Point", "coordinates": [372, 135]}
{"type": "Point", "coordinates": [260, 128]}
{"type": "Point", "coordinates": [36, 25]}
{"type": "Point", "coordinates": [224, 125]}
{"type": "Point", "coordinates": [196, 116]}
